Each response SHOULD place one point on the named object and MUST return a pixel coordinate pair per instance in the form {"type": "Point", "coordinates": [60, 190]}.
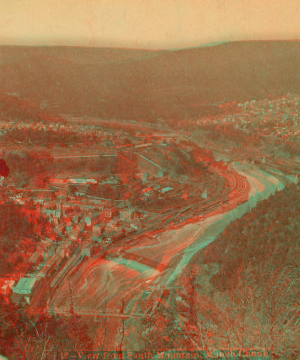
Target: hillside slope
{"type": "Point", "coordinates": [134, 84]}
{"type": "Point", "coordinates": [242, 290]}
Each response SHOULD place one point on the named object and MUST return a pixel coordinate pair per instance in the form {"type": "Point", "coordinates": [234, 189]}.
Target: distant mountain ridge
{"type": "Point", "coordinates": [140, 84]}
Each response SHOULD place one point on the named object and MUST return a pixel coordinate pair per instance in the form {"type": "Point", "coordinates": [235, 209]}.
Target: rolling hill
{"type": "Point", "coordinates": [145, 85]}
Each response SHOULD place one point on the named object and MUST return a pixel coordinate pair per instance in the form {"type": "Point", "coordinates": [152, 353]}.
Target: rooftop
{"type": "Point", "coordinates": [25, 285]}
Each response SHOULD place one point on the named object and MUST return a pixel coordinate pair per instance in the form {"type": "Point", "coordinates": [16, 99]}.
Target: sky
{"type": "Point", "coordinates": [146, 24]}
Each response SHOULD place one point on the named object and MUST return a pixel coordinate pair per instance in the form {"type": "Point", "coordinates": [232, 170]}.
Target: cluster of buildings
{"type": "Point", "coordinates": [76, 224]}
{"type": "Point", "coordinates": [18, 287]}
{"type": "Point", "coordinates": [90, 219]}
{"type": "Point", "coordinates": [269, 117]}
{"type": "Point", "coordinates": [81, 222]}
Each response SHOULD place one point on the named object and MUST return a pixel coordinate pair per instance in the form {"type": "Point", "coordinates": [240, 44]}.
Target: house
{"type": "Point", "coordinates": [83, 181]}
{"type": "Point", "coordinates": [75, 232]}
{"type": "Point", "coordinates": [164, 190]}
{"type": "Point", "coordinates": [69, 250]}
{"type": "Point", "coordinates": [39, 210]}
{"type": "Point", "coordinates": [75, 219]}
{"type": "Point", "coordinates": [21, 268]}
{"type": "Point", "coordinates": [68, 221]}
{"type": "Point", "coordinates": [107, 241]}
{"type": "Point", "coordinates": [86, 252]}
{"type": "Point", "coordinates": [69, 229]}
{"type": "Point", "coordinates": [145, 177]}
{"type": "Point", "coordinates": [23, 288]}
{"type": "Point", "coordinates": [97, 230]}
{"type": "Point", "coordinates": [38, 256]}
{"type": "Point", "coordinates": [88, 220]}
{"type": "Point", "coordinates": [55, 220]}
{"type": "Point", "coordinates": [126, 214]}
{"type": "Point", "coordinates": [136, 225]}
{"type": "Point", "coordinates": [136, 215]}
{"type": "Point", "coordinates": [60, 228]}
{"type": "Point", "coordinates": [81, 226]}
{"type": "Point", "coordinates": [93, 213]}
{"type": "Point", "coordinates": [95, 250]}
{"type": "Point", "coordinates": [97, 219]}
{"type": "Point", "coordinates": [110, 213]}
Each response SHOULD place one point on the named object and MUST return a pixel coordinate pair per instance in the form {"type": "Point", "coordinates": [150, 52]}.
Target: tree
{"type": "Point", "coordinates": [4, 170]}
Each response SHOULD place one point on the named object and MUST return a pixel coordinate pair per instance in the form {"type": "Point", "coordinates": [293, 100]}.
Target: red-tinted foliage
{"type": "Point", "coordinates": [4, 170]}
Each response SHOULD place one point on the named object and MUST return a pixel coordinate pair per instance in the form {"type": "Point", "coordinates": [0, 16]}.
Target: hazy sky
{"type": "Point", "coordinates": [151, 24]}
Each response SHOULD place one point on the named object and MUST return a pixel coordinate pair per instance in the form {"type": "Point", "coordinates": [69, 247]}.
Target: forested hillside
{"type": "Point", "coordinates": [243, 289]}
